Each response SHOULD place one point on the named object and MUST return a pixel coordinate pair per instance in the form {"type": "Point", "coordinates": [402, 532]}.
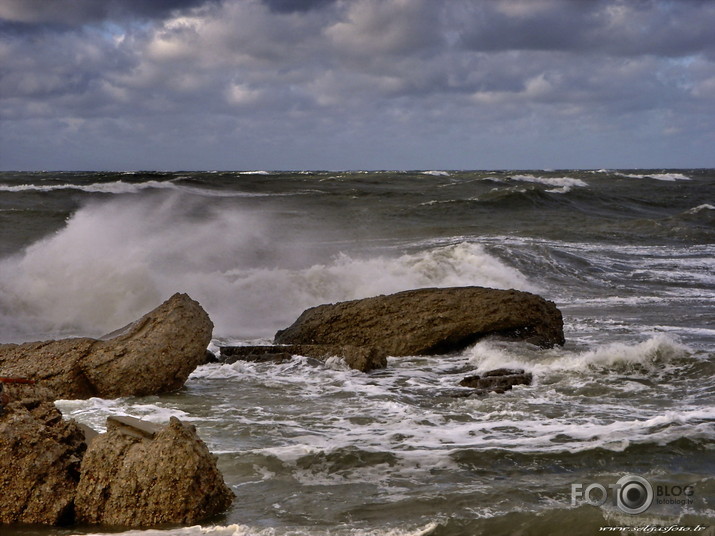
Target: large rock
{"type": "Point", "coordinates": [139, 475]}
{"type": "Point", "coordinates": [153, 355]}
{"type": "Point", "coordinates": [40, 455]}
{"type": "Point", "coordinates": [428, 321]}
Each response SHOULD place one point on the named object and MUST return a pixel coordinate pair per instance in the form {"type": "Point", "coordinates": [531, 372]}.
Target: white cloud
{"type": "Point", "coordinates": [386, 27]}
{"type": "Point", "coordinates": [242, 95]}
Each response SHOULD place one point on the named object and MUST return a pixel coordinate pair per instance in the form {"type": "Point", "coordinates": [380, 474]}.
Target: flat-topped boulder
{"type": "Point", "coordinates": [428, 321]}
{"type": "Point", "coordinates": [152, 355]}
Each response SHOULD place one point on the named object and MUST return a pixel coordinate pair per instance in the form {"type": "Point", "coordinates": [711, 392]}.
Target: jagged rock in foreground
{"type": "Point", "coordinates": [40, 455]}
{"type": "Point", "coordinates": [153, 355]}
{"type": "Point", "coordinates": [428, 321]}
{"type": "Point", "coordinates": [138, 475]}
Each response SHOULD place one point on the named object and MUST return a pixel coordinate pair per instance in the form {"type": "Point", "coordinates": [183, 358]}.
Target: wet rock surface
{"type": "Point", "coordinates": [427, 321]}
{"type": "Point", "coordinates": [497, 381]}
{"type": "Point", "coordinates": [139, 474]}
{"type": "Point", "coordinates": [363, 359]}
{"type": "Point", "coordinates": [153, 355]}
{"type": "Point", "coordinates": [40, 456]}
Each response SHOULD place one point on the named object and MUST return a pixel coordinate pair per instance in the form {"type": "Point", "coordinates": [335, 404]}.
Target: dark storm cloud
{"type": "Point", "coordinates": [619, 28]}
{"type": "Point", "coordinates": [315, 80]}
{"type": "Point", "coordinates": [59, 13]}
{"type": "Point", "coordinates": [290, 6]}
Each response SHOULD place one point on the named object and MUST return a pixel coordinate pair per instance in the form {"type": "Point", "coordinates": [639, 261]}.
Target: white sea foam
{"type": "Point", "coordinates": [436, 173]}
{"type": "Point", "coordinates": [94, 411]}
{"type": "Point", "coordinates": [245, 530]}
{"type": "Point", "coordinates": [700, 208]}
{"type": "Point", "coordinates": [669, 177]}
{"type": "Point", "coordinates": [118, 259]}
{"type": "Point", "coordinates": [651, 354]}
{"type": "Point", "coordinates": [561, 184]}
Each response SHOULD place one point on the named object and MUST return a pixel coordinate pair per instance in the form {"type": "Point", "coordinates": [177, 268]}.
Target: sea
{"type": "Point", "coordinates": [616, 433]}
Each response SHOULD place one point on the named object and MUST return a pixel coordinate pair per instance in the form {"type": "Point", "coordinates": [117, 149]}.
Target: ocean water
{"type": "Point", "coordinates": [317, 449]}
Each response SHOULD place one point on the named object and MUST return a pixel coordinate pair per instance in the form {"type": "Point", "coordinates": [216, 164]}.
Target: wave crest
{"type": "Point", "coordinates": [652, 355]}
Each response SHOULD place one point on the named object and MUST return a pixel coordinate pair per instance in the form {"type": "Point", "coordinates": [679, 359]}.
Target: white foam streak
{"type": "Point", "coordinates": [669, 177]}
{"type": "Point", "coordinates": [121, 187]}
{"type": "Point", "coordinates": [700, 208]}
{"type": "Point", "coordinates": [244, 530]}
{"type": "Point", "coordinates": [561, 184]}
{"type": "Point", "coordinates": [116, 187]}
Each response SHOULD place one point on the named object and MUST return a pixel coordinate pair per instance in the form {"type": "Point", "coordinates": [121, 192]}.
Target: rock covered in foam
{"type": "Point", "coordinates": [155, 354]}
{"type": "Point", "coordinates": [497, 381]}
{"type": "Point", "coordinates": [359, 358]}
{"type": "Point", "coordinates": [139, 474]}
{"type": "Point", "coordinates": [428, 321]}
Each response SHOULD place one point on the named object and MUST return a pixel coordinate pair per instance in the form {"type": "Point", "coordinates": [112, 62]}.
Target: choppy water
{"type": "Point", "coordinates": [310, 449]}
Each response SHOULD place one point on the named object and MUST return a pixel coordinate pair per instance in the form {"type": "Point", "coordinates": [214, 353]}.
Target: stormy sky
{"type": "Point", "coordinates": [356, 84]}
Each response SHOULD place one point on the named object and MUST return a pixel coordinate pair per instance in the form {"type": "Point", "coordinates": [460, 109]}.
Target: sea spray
{"type": "Point", "coordinates": [115, 260]}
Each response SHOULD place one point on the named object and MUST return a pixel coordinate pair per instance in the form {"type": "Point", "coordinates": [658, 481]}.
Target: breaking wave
{"type": "Point", "coordinates": [115, 187]}
{"type": "Point", "coordinates": [669, 177]}
{"type": "Point", "coordinates": [115, 260]}
{"type": "Point", "coordinates": [561, 184]}
{"type": "Point", "coordinates": [122, 187]}
{"type": "Point", "coordinates": [651, 355]}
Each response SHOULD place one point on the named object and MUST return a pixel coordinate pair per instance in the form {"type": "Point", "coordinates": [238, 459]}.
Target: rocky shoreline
{"type": "Point", "coordinates": [138, 474]}
{"type": "Point", "coordinates": [54, 471]}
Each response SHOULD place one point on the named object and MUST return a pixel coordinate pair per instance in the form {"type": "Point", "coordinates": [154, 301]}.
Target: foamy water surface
{"type": "Point", "coordinates": [315, 448]}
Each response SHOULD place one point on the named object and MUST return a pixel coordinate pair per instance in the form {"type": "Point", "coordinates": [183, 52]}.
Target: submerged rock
{"type": "Point", "coordinates": [363, 359]}
{"type": "Point", "coordinates": [139, 474]}
{"type": "Point", "coordinates": [427, 321]}
{"type": "Point", "coordinates": [497, 381]}
{"type": "Point", "coordinates": [153, 355]}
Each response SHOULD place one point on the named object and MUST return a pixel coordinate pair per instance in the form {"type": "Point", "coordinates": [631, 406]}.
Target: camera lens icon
{"type": "Point", "coordinates": [634, 494]}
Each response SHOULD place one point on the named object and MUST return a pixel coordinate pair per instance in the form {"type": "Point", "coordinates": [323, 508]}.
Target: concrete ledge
{"type": "Point", "coordinates": [133, 427]}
